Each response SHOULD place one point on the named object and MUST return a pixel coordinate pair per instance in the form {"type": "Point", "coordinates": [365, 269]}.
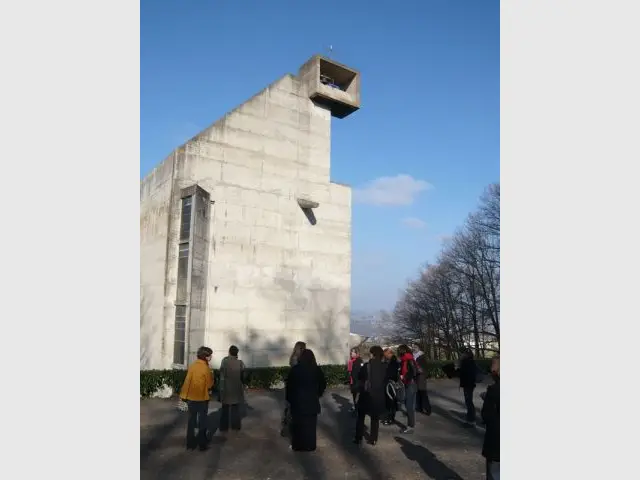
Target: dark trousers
{"type": "Point", "coordinates": [468, 401]}
{"type": "Point", "coordinates": [230, 414]}
{"type": "Point", "coordinates": [354, 396]}
{"type": "Point", "coordinates": [392, 408]}
{"type": "Point", "coordinates": [373, 431]}
{"type": "Point", "coordinates": [410, 404]}
{"type": "Point", "coordinates": [422, 402]}
{"type": "Point", "coordinates": [197, 417]}
{"type": "Point", "coordinates": [493, 470]}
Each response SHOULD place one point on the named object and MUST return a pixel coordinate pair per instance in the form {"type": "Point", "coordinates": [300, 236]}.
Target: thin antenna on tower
{"type": "Point", "coordinates": [330, 51]}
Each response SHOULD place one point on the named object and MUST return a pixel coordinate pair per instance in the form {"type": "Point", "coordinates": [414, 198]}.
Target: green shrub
{"type": "Point", "coordinates": [267, 377]}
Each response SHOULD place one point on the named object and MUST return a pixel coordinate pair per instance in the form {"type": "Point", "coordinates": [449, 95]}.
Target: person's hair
{"type": "Point", "coordinates": [376, 352]}
{"type": "Point", "coordinates": [495, 366]}
{"type": "Point", "coordinates": [204, 352]}
{"type": "Point", "coordinates": [388, 350]}
{"type": "Point", "coordinates": [402, 349]}
{"type": "Point", "coordinates": [307, 358]}
{"type": "Point", "coordinates": [299, 347]}
{"type": "Point", "coordinates": [355, 350]}
{"type": "Point", "coordinates": [233, 351]}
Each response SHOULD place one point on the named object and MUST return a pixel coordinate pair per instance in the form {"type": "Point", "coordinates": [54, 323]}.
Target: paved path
{"type": "Point", "coordinates": [441, 448]}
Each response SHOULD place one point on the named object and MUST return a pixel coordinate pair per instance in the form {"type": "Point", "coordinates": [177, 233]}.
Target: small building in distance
{"type": "Point", "coordinates": [244, 239]}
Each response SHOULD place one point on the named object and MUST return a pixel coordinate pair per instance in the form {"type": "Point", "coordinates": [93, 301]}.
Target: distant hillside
{"type": "Point", "coordinates": [365, 323]}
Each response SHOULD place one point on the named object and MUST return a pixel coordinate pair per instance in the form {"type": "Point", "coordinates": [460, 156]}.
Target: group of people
{"type": "Point", "coordinates": [379, 387]}
{"type": "Point", "coordinates": [196, 393]}
{"type": "Point", "coordinates": [385, 382]}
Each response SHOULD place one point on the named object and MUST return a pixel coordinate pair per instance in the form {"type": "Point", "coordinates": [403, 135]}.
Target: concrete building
{"type": "Point", "coordinates": [244, 239]}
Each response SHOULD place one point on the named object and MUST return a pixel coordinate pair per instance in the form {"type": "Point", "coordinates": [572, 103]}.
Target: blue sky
{"type": "Point", "coordinates": [418, 153]}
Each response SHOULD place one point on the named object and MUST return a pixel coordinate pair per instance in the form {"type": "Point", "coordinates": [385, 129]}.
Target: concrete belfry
{"type": "Point", "coordinates": [244, 238]}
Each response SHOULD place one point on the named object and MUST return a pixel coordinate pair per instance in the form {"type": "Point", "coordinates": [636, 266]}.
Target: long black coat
{"type": "Point", "coordinates": [304, 387]}
{"type": "Point", "coordinates": [468, 372]}
{"type": "Point", "coordinates": [491, 418]}
{"type": "Point", "coordinates": [372, 401]}
{"type": "Point", "coordinates": [422, 377]}
{"type": "Point", "coordinates": [393, 370]}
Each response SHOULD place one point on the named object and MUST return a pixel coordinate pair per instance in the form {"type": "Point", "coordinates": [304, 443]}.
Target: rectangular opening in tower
{"type": "Point", "coordinates": [337, 77]}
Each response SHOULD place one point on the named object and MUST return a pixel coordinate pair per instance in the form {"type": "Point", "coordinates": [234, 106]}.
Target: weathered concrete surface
{"type": "Point", "coordinates": [155, 201]}
{"type": "Point", "coordinates": [441, 447]}
{"type": "Point", "coordinates": [275, 274]}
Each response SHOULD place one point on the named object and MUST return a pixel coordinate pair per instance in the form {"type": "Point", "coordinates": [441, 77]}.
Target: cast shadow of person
{"type": "Point", "coordinates": [431, 466]}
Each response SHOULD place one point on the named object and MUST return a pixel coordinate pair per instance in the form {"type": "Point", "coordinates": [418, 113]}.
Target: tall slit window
{"type": "Point", "coordinates": [185, 219]}
{"type": "Point", "coordinates": [179, 345]}
{"type": "Point", "coordinates": [183, 272]}
{"type": "Point", "coordinates": [180, 335]}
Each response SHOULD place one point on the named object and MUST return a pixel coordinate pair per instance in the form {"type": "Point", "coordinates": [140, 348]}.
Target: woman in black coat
{"type": "Point", "coordinates": [491, 418]}
{"type": "Point", "coordinates": [372, 381]}
{"type": "Point", "coordinates": [305, 385]}
{"type": "Point", "coordinates": [393, 376]}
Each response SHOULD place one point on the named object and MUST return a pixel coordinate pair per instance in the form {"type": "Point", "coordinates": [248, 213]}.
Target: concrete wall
{"type": "Point", "coordinates": [274, 278]}
{"type": "Point", "coordinates": [155, 195]}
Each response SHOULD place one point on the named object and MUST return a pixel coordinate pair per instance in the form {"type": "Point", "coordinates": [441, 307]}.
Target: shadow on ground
{"type": "Point", "coordinates": [258, 451]}
{"type": "Point", "coordinates": [431, 466]}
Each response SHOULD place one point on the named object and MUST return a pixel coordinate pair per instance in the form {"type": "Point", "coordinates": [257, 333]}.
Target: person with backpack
{"type": "Point", "coordinates": [468, 374]}
{"type": "Point", "coordinates": [408, 376]}
{"type": "Point", "coordinates": [393, 395]}
{"type": "Point", "coordinates": [371, 395]}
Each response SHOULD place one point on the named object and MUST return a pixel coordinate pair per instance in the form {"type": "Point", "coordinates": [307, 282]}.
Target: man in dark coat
{"type": "Point", "coordinates": [231, 390]}
{"type": "Point", "coordinates": [468, 374]}
{"type": "Point", "coordinates": [491, 418]}
{"type": "Point", "coordinates": [423, 405]}
{"type": "Point", "coordinates": [393, 376]}
{"type": "Point", "coordinates": [371, 400]}
{"type": "Point", "coordinates": [304, 386]}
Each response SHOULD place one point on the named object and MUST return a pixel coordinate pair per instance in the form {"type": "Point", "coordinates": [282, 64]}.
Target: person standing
{"type": "Point", "coordinates": [304, 386]}
{"type": "Point", "coordinates": [353, 370]}
{"type": "Point", "coordinates": [285, 429]}
{"type": "Point", "coordinates": [371, 395]}
{"type": "Point", "coordinates": [491, 417]}
{"type": "Point", "coordinates": [392, 377]}
{"type": "Point", "coordinates": [295, 355]}
{"type": "Point", "coordinates": [231, 390]}
{"type": "Point", "coordinates": [408, 375]}
{"type": "Point", "coordinates": [423, 405]}
{"type": "Point", "coordinates": [468, 374]}
{"type": "Point", "coordinates": [195, 393]}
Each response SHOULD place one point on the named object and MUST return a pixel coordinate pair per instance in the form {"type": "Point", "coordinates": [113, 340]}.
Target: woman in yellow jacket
{"type": "Point", "coordinates": [195, 392]}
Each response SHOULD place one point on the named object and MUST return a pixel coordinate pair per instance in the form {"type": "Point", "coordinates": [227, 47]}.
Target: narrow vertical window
{"type": "Point", "coordinates": [179, 343]}
{"type": "Point", "coordinates": [180, 335]}
{"type": "Point", "coordinates": [183, 273]}
{"type": "Point", "coordinates": [185, 219]}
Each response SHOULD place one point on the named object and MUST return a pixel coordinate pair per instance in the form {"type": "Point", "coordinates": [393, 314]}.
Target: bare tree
{"type": "Point", "coordinates": [456, 301]}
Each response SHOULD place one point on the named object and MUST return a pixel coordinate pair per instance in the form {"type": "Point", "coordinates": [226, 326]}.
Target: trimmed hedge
{"type": "Point", "coordinates": [267, 377]}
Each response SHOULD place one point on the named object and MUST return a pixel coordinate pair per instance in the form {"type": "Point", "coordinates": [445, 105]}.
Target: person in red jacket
{"type": "Point", "coordinates": [353, 370]}
{"type": "Point", "coordinates": [408, 376]}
